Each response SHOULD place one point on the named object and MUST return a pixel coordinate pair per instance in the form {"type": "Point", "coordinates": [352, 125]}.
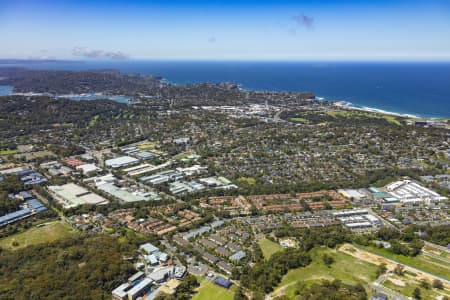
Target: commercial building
{"type": "Point", "coordinates": [147, 168]}
{"type": "Point", "coordinates": [73, 162]}
{"type": "Point", "coordinates": [410, 192]}
{"type": "Point", "coordinates": [145, 155]}
{"type": "Point", "coordinates": [120, 162]}
{"type": "Point", "coordinates": [220, 281]}
{"type": "Point", "coordinates": [136, 276]}
{"type": "Point", "coordinates": [30, 207]}
{"type": "Point", "coordinates": [13, 171]}
{"type": "Point", "coordinates": [161, 275]}
{"type": "Point", "coordinates": [379, 296]}
{"type": "Point", "coordinates": [177, 188]}
{"type": "Point", "coordinates": [140, 289]}
{"type": "Point", "coordinates": [216, 182]}
{"type": "Point", "coordinates": [148, 248]}
{"type": "Point", "coordinates": [30, 177]}
{"type": "Point", "coordinates": [357, 219]}
{"type": "Point", "coordinates": [352, 212]}
{"type": "Point", "coordinates": [126, 194]}
{"type": "Point", "coordinates": [352, 194]}
{"type": "Point", "coordinates": [15, 216]}
{"type": "Point", "coordinates": [121, 292]}
{"type": "Point", "coordinates": [72, 195]}
{"type": "Point", "coordinates": [179, 272]}
{"type": "Point", "coordinates": [35, 205]}
{"type": "Point", "coordinates": [88, 169]}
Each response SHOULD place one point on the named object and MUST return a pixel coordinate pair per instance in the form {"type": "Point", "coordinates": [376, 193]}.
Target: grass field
{"type": "Point", "coordinates": [420, 262]}
{"type": "Point", "coordinates": [247, 180]}
{"type": "Point", "coordinates": [183, 155]}
{"type": "Point", "coordinates": [147, 145]}
{"type": "Point", "coordinates": [93, 121]}
{"type": "Point", "coordinates": [268, 247]}
{"type": "Point", "coordinates": [38, 235]}
{"type": "Point", "coordinates": [7, 152]}
{"type": "Point", "coordinates": [210, 291]}
{"type": "Point", "coordinates": [299, 120]}
{"type": "Point", "coordinates": [346, 268]}
{"type": "Point", "coordinates": [354, 113]}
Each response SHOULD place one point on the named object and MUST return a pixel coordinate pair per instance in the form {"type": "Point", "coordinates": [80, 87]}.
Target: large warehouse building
{"type": "Point", "coordinates": [71, 195]}
{"type": "Point", "coordinates": [120, 162]}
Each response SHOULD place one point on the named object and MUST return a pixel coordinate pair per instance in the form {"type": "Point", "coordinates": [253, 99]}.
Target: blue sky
{"type": "Point", "coordinates": [226, 30]}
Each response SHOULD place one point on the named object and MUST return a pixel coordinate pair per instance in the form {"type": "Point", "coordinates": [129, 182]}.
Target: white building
{"type": "Point", "coordinates": [88, 169]}
{"type": "Point", "coordinates": [72, 195]}
{"type": "Point", "coordinates": [410, 192]}
{"type": "Point", "coordinates": [120, 162]}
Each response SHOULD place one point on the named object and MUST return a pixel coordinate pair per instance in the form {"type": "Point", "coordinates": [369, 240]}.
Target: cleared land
{"type": "Point", "coordinates": [210, 291]}
{"type": "Point", "coordinates": [38, 235]}
{"type": "Point", "coordinates": [421, 262]}
{"type": "Point", "coordinates": [34, 155]}
{"type": "Point", "coordinates": [268, 247]}
{"type": "Point", "coordinates": [378, 259]}
{"type": "Point", "coordinates": [406, 284]}
{"type": "Point", "coordinates": [345, 267]}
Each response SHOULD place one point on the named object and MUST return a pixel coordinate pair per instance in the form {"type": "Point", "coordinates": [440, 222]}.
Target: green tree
{"type": "Point", "coordinates": [381, 269]}
{"type": "Point", "coordinates": [437, 284]}
{"type": "Point", "coordinates": [239, 295]}
{"type": "Point", "coordinates": [327, 259]}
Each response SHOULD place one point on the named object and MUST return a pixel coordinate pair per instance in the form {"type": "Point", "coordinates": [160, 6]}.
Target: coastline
{"type": "Point", "coordinates": [349, 105]}
{"type": "Point", "coordinates": [343, 104]}
{"type": "Point", "coordinates": [8, 90]}
{"type": "Point", "coordinates": [396, 89]}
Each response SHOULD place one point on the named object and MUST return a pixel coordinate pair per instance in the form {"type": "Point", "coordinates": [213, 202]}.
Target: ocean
{"type": "Point", "coordinates": [419, 89]}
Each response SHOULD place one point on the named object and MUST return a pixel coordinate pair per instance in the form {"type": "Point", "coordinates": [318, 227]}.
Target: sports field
{"type": "Point", "coordinates": [212, 291]}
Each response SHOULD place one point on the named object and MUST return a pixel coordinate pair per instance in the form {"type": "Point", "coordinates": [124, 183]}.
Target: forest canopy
{"type": "Point", "coordinates": [73, 268]}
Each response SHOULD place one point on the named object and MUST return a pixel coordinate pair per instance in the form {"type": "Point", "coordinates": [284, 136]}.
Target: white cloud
{"type": "Point", "coordinates": [100, 54]}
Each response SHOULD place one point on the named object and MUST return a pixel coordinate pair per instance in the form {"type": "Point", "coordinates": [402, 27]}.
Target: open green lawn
{"type": "Point", "coordinates": [299, 120]}
{"type": "Point", "coordinates": [93, 121]}
{"type": "Point", "coordinates": [148, 145]}
{"type": "Point", "coordinates": [211, 291]}
{"type": "Point", "coordinates": [247, 180]}
{"type": "Point", "coordinates": [182, 155]}
{"type": "Point", "coordinates": [354, 113]}
{"type": "Point", "coordinates": [420, 262]}
{"type": "Point", "coordinates": [268, 247]}
{"type": "Point", "coordinates": [7, 152]}
{"type": "Point", "coordinates": [37, 235]}
{"type": "Point", "coordinates": [346, 268]}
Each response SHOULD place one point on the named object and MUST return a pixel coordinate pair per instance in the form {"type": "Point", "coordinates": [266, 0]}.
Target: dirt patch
{"type": "Point", "coordinates": [397, 282]}
{"type": "Point", "coordinates": [390, 265]}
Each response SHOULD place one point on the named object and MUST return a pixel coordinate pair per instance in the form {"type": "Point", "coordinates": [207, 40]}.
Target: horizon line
{"type": "Point", "coordinates": [296, 60]}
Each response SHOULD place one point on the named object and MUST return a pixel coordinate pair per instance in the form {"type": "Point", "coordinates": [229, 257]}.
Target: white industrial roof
{"type": "Point", "coordinates": [72, 195]}
{"type": "Point", "coordinates": [121, 161]}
